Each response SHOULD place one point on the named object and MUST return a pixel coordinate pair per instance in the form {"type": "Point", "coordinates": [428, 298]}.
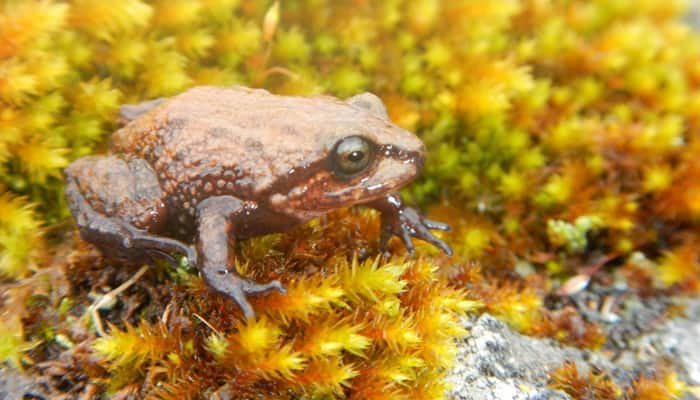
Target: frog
{"type": "Point", "coordinates": [193, 173]}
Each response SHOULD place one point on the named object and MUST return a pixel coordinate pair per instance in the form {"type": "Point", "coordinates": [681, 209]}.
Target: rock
{"type": "Point", "coordinates": [493, 362]}
{"type": "Point", "coordinates": [15, 385]}
{"type": "Point", "coordinates": [680, 340]}
{"type": "Point", "coordinates": [677, 340]}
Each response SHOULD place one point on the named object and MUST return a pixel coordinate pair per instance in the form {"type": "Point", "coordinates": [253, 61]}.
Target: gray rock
{"type": "Point", "coordinates": [681, 339]}
{"type": "Point", "coordinates": [16, 386]}
{"type": "Point", "coordinates": [677, 340]}
{"type": "Point", "coordinates": [493, 362]}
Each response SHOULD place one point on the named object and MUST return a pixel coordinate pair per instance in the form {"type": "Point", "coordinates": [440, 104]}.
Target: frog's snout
{"type": "Point", "coordinates": [419, 159]}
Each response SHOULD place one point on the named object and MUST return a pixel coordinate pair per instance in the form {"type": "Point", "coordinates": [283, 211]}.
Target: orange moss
{"type": "Point", "coordinates": [594, 385]}
{"type": "Point", "coordinates": [680, 267]}
{"type": "Point", "coordinates": [567, 326]}
{"type": "Point", "coordinates": [664, 386]}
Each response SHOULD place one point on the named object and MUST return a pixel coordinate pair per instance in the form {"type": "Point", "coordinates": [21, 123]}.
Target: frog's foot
{"type": "Point", "coordinates": [406, 223]}
{"type": "Point", "coordinates": [121, 240]}
{"type": "Point", "coordinates": [161, 246]}
{"type": "Point", "coordinates": [237, 288]}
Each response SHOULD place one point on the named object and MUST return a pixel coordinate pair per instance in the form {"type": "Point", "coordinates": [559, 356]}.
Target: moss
{"type": "Point", "coordinates": [594, 385]}
{"type": "Point", "coordinates": [343, 322]}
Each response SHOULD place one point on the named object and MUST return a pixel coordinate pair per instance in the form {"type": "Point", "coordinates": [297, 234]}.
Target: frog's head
{"type": "Point", "coordinates": [360, 155]}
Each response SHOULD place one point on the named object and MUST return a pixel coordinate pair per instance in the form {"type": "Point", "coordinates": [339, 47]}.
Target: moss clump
{"type": "Point", "coordinates": [662, 385]}
{"type": "Point", "coordinates": [594, 385]}
{"type": "Point", "coordinates": [346, 328]}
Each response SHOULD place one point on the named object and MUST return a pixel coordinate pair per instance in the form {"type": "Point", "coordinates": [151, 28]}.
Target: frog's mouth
{"type": "Point", "coordinates": [387, 176]}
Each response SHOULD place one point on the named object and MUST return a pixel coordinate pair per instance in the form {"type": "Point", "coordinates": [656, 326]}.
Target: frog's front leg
{"type": "Point", "coordinates": [215, 225]}
{"type": "Point", "coordinates": [405, 222]}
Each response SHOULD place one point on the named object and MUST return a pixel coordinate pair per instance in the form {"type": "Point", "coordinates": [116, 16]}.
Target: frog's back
{"type": "Point", "coordinates": [238, 140]}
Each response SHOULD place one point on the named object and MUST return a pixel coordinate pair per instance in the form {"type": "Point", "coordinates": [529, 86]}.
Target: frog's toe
{"type": "Point", "coordinates": [191, 255]}
{"type": "Point", "coordinates": [240, 298]}
{"type": "Point", "coordinates": [252, 287]}
{"type": "Point", "coordinates": [421, 231]}
{"type": "Point", "coordinates": [154, 253]}
{"type": "Point", "coordinates": [246, 287]}
{"type": "Point", "coordinates": [440, 226]}
{"type": "Point", "coordinates": [407, 241]}
{"type": "Point", "coordinates": [411, 224]}
{"type": "Point", "coordinates": [439, 243]}
{"type": "Point", "coordinates": [238, 289]}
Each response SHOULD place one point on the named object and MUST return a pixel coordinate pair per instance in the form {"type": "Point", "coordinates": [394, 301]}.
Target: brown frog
{"type": "Point", "coordinates": [217, 163]}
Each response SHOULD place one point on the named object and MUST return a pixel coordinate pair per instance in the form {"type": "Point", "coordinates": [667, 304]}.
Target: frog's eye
{"type": "Point", "coordinates": [351, 155]}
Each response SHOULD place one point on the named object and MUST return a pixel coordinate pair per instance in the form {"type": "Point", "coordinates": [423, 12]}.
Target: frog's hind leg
{"type": "Point", "coordinates": [118, 207]}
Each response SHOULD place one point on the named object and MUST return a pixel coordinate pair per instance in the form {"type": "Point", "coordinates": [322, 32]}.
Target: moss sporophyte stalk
{"type": "Point", "coordinates": [558, 134]}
